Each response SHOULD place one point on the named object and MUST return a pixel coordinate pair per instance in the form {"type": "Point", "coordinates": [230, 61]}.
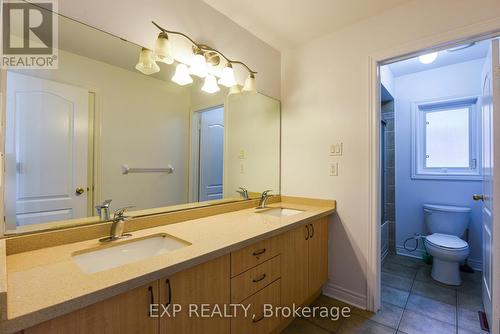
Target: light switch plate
{"type": "Point", "coordinates": [241, 154]}
{"type": "Point", "coordinates": [242, 169]}
{"type": "Point", "coordinates": [336, 149]}
{"type": "Point", "coordinates": [334, 169]}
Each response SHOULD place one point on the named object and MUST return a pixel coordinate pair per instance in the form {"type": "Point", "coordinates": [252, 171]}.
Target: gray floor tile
{"type": "Point", "coordinates": [436, 292]}
{"type": "Point", "coordinates": [327, 323]}
{"type": "Point", "coordinates": [469, 320]}
{"type": "Point", "coordinates": [472, 302]}
{"type": "Point", "coordinates": [397, 282]}
{"type": "Point", "coordinates": [424, 274]}
{"type": "Point", "coordinates": [399, 270]}
{"type": "Point", "coordinates": [432, 308]}
{"type": "Point", "coordinates": [301, 326]}
{"type": "Point", "coordinates": [389, 315]}
{"type": "Point", "coordinates": [466, 331]}
{"type": "Point", "coordinates": [394, 296]}
{"type": "Point", "coordinates": [405, 261]}
{"type": "Point", "coordinates": [357, 324]}
{"type": "Point", "coordinates": [416, 323]}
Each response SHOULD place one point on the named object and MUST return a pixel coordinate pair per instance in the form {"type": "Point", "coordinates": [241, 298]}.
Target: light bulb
{"type": "Point", "coordinates": [210, 86]}
{"type": "Point", "coordinates": [428, 58]}
{"type": "Point", "coordinates": [181, 75]}
{"type": "Point", "coordinates": [147, 64]}
{"type": "Point", "coordinates": [250, 85]}
{"type": "Point", "coordinates": [227, 78]}
{"type": "Point", "coordinates": [198, 66]}
{"type": "Point", "coordinates": [163, 49]}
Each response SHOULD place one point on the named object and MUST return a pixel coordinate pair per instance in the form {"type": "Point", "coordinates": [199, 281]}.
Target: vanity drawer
{"type": "Point", "coordinates": [253, 280]}
{"type": "Point", "coordinates": [258, 324]}
{"type": "Point", "coordinates": [253, 255]}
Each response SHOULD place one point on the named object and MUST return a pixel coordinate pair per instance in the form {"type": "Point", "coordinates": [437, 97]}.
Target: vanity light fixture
{"type": "Point", "coordinates": [250, 85]}
{"type": "Point", "coordinates": [428, 58]}
{"type": "Point", "coordinates": [203, 58]}
{"type": "Point", "coordinates": [210, 85]}
{"type": "Point", "coordinates": [227, 78]}
{"type": "Point", "coordinates": [181, 75]}
{"type": "Point", "coordinates": [147, 63]}
{"type": "Point", "coordinates": [163, 50]}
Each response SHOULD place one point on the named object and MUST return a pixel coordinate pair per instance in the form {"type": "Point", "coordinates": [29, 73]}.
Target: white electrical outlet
{"type": "Point", "coordinates": [336, 149]}
{"type": "Point", "coordinates": [334, 169]}
{"type": "Point", "coordinates": [241, 155]}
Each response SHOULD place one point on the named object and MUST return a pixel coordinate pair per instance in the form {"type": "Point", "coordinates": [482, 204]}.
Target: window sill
{"type": "Point", "coordinates": [448, 177]}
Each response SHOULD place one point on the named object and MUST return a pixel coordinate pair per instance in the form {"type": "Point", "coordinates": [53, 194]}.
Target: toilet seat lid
{"type": "Point", "coordinates": [447, 241]}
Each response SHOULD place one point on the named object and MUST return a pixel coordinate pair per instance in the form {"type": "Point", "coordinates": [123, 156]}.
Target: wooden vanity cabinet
{"type": "Point", "coordinates": [127, 313]}
{"type": "Point", "coordinates": [283, 270]}
{"type": "Point", "coordinates": [207, 283]}
{"type": "Point", "coordinates": [304, 264]}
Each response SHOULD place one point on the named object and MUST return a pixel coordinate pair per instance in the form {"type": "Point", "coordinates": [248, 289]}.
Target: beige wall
{"type": "Point", "coordinates": [325, 99]}
{"type": "Point", "coordinates": [132, 20]}
{"type": "Point", "coordinates": [252, 143]}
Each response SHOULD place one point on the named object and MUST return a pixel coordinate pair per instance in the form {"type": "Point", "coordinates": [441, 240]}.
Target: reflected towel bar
{"type": "Point", "coordinates": [126, 170]}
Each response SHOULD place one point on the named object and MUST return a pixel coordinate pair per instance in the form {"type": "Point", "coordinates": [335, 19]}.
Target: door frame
{"type": "Point", "coordinates": [471, 33]}
{"type": "Point", "coordinates": [194, 149]}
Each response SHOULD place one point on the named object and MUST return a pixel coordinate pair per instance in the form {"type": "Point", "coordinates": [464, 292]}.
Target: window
{"type": "Point", "coordinates": [445, 140]}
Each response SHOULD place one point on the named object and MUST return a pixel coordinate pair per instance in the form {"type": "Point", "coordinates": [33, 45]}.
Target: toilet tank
{"type": "Point", "coordinates": [446, 219]}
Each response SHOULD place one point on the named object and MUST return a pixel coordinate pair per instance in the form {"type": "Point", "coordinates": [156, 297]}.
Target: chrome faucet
{"type": "Point", "coordinates": [243, 192]}
{"type": "Point", "coordinates": [103, 210]}
{"type": "Point", "coordinates": [118, 225]}
{"type": "Point", "coordinates": [263, 199]}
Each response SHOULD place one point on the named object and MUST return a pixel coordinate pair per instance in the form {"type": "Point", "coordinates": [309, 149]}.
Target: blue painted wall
{"type": "Point", "coordinates": [457, 80]}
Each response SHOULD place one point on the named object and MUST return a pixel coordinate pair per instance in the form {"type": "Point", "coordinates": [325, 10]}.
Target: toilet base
{"type": "Point", "coordinates": [446, 272]}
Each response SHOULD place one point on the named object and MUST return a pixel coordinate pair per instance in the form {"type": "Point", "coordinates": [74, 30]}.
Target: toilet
{"type": "Point", "coordinates": [446, 224]}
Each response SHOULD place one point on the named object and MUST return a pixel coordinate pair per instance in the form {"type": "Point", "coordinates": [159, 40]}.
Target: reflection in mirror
{"type": "Point", "coordinates": [97, 130]}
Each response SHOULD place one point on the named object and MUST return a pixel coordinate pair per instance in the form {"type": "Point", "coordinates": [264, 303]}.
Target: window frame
{"type": "Point", "coordinates": [418, 141]}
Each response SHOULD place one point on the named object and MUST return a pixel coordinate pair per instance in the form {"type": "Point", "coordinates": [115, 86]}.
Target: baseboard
{"type": "Point", "coordinates": [477, 265]}
{"type": "Point", "coordinates": [418, 253]}
{"type": "Point", "coordinates": [345, 295]}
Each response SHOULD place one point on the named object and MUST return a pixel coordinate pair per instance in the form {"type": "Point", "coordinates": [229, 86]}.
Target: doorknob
{"type": "Point", "coordinates": [79, 190]}
{"type": "Point", "coordinates": [477, 197]}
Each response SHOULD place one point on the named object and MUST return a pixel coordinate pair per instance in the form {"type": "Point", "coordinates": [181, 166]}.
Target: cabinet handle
{"type": "Point", "coordinates": [307, 231]}
{"type": "Point", "coordinates": [151, 300]}
{"type": "Point", "coordinates": [255, 280]}
{"type": "Point", "coordinates": [258, 319]}
{"type": "Point", "coordinates": [259, 252]}
{"type": "Point", "coordinates": [312, 230]}
{"type": "Point", "coordinates": [169, 290]}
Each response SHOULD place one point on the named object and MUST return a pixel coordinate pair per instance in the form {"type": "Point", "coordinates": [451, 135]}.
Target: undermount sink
{"type": "Point", "coordinates": [281, 212]}
{"type": "Point", "coordinates": [112, 256]}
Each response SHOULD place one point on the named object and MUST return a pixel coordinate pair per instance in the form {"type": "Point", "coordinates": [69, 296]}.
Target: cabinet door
{"type": "Point", "coordinates": [318, 255]}
{"type": "Point", "coordinates": [294, 266]}
{"type": "Point", "coordinates": [127, 313]}
{"type": "Point", "coordinates": [207, 283]}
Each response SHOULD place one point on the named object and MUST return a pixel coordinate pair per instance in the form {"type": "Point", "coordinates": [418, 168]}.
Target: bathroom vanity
{"type": "Point", "coordinates": [246, 256]}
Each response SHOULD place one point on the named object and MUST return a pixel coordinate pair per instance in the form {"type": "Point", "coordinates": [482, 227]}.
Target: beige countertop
{"type": "Point", "coordinates": [46, 283]}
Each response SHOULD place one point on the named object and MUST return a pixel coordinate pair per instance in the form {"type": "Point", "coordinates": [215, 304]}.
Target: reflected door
{"type": "Point", "coordinates": [46, 151]}
{"type": "Point", "coordinates": [211, 154]}
{"type": "Point", "coordinates": [491, 187]}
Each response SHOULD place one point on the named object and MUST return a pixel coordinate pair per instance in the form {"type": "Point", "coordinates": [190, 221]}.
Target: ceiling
{"type": "Point", "coordinates": [286, 23]}
{"type": "Point", "coordinates": [444, 58]}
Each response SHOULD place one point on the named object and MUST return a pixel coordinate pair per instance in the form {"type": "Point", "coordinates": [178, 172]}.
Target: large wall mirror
{"type": "Point", "coordinates": [96, 129]}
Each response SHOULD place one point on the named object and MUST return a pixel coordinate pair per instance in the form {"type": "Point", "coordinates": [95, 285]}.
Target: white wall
{"type": "Point", "coordinates": [325, 99]}
{"type": "Point", "coordinates": [132, 20]}
{"type": "Point", "coordinates": [454, 81]}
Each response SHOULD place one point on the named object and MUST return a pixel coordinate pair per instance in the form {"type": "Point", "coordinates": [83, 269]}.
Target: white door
{"type": "Point", "coordinates": [491, 186]}
{"type": "Point", "coordinates": [46, 148]}
{"type": "Point", "coordinates": [211, 154]}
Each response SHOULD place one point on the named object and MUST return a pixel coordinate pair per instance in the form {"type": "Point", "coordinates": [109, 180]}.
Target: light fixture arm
{"type": "Point", "coordinates": [204, 47]}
